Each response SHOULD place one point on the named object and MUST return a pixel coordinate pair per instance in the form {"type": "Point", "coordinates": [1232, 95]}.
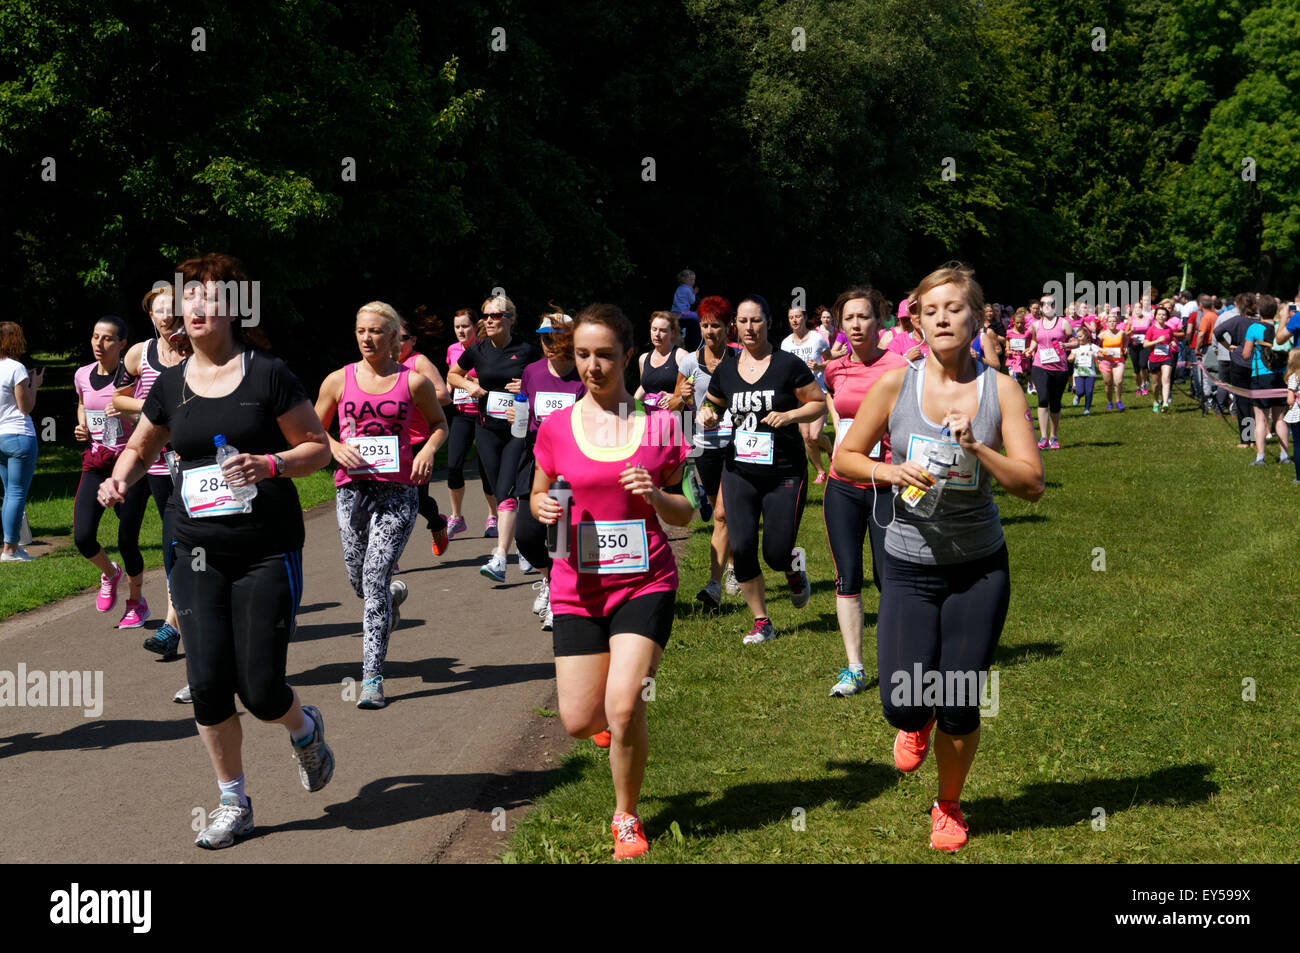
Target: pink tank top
{"type": "Point", "coordinates": [378, 416]}
{"type": "Point", "coordinates": [143, 384]}
{"type": "Point", "coordinates": [419, 426]}
{"type": "Point", "coordinates": [96, 401]}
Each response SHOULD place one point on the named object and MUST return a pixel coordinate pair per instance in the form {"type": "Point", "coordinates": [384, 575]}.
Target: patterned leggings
{"type": "Point", "coordinates": [375, 521]}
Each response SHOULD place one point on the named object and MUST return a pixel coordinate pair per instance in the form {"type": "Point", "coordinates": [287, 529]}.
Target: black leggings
{"type": "Point", "coordinates": [530, 535]}
{"type": "Point", "coordinates": [1050, 386]}
{"type": "Point", "coordinates": [847, 511]}
{"type": "Point", "coordinates": [460, 429]}
{"type": "Point", "coordinates": [86, 514]}
{"type": "Point", "coordinates": [944, 619]}
{"type": "Point", "coordinates": [433, 519]}
{"type": "Point", "coordinates": [779, 501]}
{"type": "Point", "coordinates": [160, 487]}
{"type": "Point", "coordinates": [498, 459]}
{"type": "Point", "coordinates": [238, 617]}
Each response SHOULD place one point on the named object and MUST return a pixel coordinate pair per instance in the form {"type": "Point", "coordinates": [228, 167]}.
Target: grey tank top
{"type": "Point", "coordinates": [965, 525]}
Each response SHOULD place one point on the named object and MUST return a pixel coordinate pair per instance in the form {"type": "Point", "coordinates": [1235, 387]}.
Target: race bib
{"type": "Point", "coordinates": [498, 402]}
{"type": "Point", "coordinates": [965, 471]}
{"type": "Point", "coordinates": [1160, 350]}
{"type": "Point", "coordinates": [205, 493]}
{"type": "Point", "coordinates": [95, 423]}
{"type": "Point", "coordinates": [1113, 353]}
{"type": "Point", "coordinates": [460, 397]}
{"type": "Point", "coordinates": [613, 546]}
{"type": "Point", "coordinates": [381, 454]}
{"type": "Point", "coordinates": [1139, 338]}
{"type": "Point", "coordinates": [1083, 361]}
{"type": "Point", "coordinates": [1017, 344]}
{"type": "Point", "coordinates": [753, 447]}
{"type": "Point", "coordinates": [1048, 355]}
{"type": "Point", "coordinates": [546, 403]}
{"type": "Point", "coordinates": [843, 428]}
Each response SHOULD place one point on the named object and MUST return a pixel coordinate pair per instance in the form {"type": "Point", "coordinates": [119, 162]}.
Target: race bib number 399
{"type": "Point", "coordinates": [206, 493]}
{"type": "Point", "coordinates": [95, 423]}
{"type": "Point", "coordinates": [613, 546]}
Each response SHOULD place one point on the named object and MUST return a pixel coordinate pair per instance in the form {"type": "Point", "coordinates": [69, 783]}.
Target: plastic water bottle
{"type": "Point", "coordinates": [520, 427]}
{"type": "Point", "coordinates": [112, 432]}
{"type": "Point", "coordinates": [939, 460]}
{"type": "Point", "coordinates": [696, 495]}
{"type": "Point", "coordinates": [243, 494]}
{"type": "Point", "coordinates": [557, 534]}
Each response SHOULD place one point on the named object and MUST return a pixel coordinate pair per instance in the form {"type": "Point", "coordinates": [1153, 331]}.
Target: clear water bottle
{"type": "Point", "coordinates": [696, 495]}
{"type": "Point", "coordinates": [939, 460]}
{"type": "Point", "coordinates": [557, 534]}
{"type": "Point", "coordinates": [520, 427]}
{"type": "Point", "coordinates": [112, 432]}
{"type": "Point", "coordinates": [243, 494]}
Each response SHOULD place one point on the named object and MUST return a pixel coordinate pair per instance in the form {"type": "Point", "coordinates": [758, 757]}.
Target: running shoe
{"type": "Point", "coordinates": [629, 837]}
{"type": "Point", "coordinates": [761, 632]}
{"type": "Point", "coordinates": [1076, 400]}
{"type": "Point", "coordinates": [548, 619]}
{"type": "Point", "coordinates": [602, 739]}
{"type": "Point", "coordinates": [1168, 406]}
{"type": "Point", "coordinates": [184, 696]}
{"type": "Point", "coordinates": [850, 683]}
{"type": "Point", "coordinates": [948, 828]}
{"type": "Point", "coordinates": [455, 524]}
{"type": "Point", "coordinates": [315, 759]}
{"type": "Point", "coordinates": [1109, 405]}
{"type": "Point", "coordinates": [108, 590]}
{"type": "Point", "coordinates": [525, 567]}
{"type": "Point", "coordinates": [372, 693]}
{"type": "Point", "coordinates": [730, 584]}
{"type": "Point", "coordinates": [439, 541]}
{"type": "Point", "coordinates": [1053, 444]}
{"type": "Point", "coordinates": [1284, 458]}
{"type": "Point", "coordinates": [164, 642]}
{"type": "Point", "coordinates": [711, 594]}
{"type": "Point", "coordinates": [800, 589]}
{"type": "Point", "coordinates": [543, 599]}
{"type": "Point", "coordinates": [1155, 407]}
{"type": "Point", "coordinates": [398, 589]}
{"type": "Point", "coordinates": [820, 478]}
{"type": "Point", "coordinates": [1087, 413]}
{"type": "Point", "coordinates": [1032, 390]}
{"type": "Point", "coordinates": [1258, 462]}
{"type": "Point", "coordinates": [494, 568]}
{"type": "Point", "coordinates": [911, 747]}
{"type": "Point", "coordinates": [19, 555]}
{"type": "Point", "coordinates": [1119, 405]}
{"type": "Point", "coordinates": [230, 822]}
{"type": "Point", "coordinates": [136, 614]}
{"type": "Point", "coordinates": [490, 530]}
{"type": "Point", "coordinates": [1042, 444]}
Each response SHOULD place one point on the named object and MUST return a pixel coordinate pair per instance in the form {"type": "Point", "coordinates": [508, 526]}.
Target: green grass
{"type": "Point", "coordinates": [1119, 689]}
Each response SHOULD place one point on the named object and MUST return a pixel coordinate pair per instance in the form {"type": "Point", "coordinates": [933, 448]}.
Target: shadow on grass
{"type": "Point", "coordinates": [1092, 443]}
{"type": "Point", "coordinates": [1066, 803]}
{"type": "Point", "coordinates": [1024, 518]}
{"type": "Point", "coordinates": [830, 620]}
{"type": "Point", "coordinates": [757, 805]}
{"type": "Point", "coordinates": [1006, 656]}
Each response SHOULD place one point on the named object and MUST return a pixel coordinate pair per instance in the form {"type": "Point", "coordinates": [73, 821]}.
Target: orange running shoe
{"type": "Point", "coordinates": [911, 747]}
{"type": "Point", "coordinates": [629, 837]}
{"type": "Point", "coordinates": [439, 545]}
{"type": "Point", "coordinates": [601, 739]}
{"type": "Point", "coordinates": [948, 828]}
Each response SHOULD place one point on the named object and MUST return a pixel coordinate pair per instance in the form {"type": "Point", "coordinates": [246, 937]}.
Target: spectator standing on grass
{"type": "Point", "coordinates": [1230, 332]}
{"type": "Point", "coordinates": [18, 447]}
{"type": "Point", "coordinates": [1265, 374]}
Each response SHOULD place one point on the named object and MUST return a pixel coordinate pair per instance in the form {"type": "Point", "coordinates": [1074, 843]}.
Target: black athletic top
{"type": "Point", "coordinates": [750, 403]}
{"type": "Point", "coordinates": [247, 417]}
{"type": "Point", "coordinates": [662, 379]}
{"type": "Point", "coordinates": [497, 367]}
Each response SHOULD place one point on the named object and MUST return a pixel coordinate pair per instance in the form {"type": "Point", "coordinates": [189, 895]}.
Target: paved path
{"type": "Point", "coordinates": [416, 781]}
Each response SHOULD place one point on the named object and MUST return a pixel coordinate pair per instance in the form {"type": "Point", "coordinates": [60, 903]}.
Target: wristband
{"type": "Point", "coordinates": [270, 460]}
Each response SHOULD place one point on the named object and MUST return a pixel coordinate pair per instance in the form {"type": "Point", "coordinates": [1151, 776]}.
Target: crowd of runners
{"type": "Point", "coordinates": [926, 406]}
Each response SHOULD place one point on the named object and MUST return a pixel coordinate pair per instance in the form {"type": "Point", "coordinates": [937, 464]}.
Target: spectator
{"type": "Point", "coordinates": [1265, 374]}
{"type": "Point", "coordinates": [1229, 330]}
{"type": "Point", "coordinates": [683, 306]}
{"type": "Point", "coordinates": [17, 436]}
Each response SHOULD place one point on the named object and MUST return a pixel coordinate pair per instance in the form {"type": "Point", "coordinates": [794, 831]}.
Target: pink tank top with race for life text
{"type": "Point", "coordinates": [375, 419]}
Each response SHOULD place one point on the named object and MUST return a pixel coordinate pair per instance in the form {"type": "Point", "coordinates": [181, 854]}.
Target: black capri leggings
{"type": "Point", "coordinates": [1139, 358]}
{"type": "Point", "coordinates": [498, 458]}
{"type": "Point", "coordinates": [944, 619]}
{"type": "Point", "coordinates": [530, 535]}
{"type": "Point", "coordinates": [848, 511]}
{"type": "Point", "coordinates": [1050, 386]}
{"type": "Point", "coordinates": [779, 501]}
{"type": "Point", "coordinates": [86, 514]}
{"type": "Point", "coordinates": [433, 519]}
{"type": "Point", "coordinates": [460, 436]}
{"type": "Point", "coordinates": [238, 617]}
{"type": "Point", "coordinates": [160, 488]}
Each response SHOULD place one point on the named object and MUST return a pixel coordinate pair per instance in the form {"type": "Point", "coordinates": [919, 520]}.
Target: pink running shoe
{"type": "Point", "coordinates": [108, 590]}
{"type": "Point", "coordinates": [1053, 444]}
{"type": "Point", "coordinates": [1042, 444]}
{"type": "Point", "coordinates": [455, 524]}
{"type": "Point", "coordinates": [490, 530]}
{"type": "Point", "coordinates": [136, 613]}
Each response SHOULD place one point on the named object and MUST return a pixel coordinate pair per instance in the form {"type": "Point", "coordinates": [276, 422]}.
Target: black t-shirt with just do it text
{"type": "Point", "coordinates": [750, 403]}
{"type": "Point", "coordinates": [247, 417]}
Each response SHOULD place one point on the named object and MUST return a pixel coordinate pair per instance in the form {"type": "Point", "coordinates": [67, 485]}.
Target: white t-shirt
{"type": "Point", "coordinates": [13, 420]}
{"type": "Point", "coordinates": [812, 349]}
{"type": "Point", "coordinates": [1293, 412]}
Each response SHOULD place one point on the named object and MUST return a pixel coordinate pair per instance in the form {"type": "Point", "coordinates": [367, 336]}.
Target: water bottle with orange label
{"type": "Point", "coordinates": [940, 456]}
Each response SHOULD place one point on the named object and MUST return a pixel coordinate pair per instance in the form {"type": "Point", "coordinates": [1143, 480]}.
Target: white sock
{"type": "Point", "coordinates": [304, 730]}
{"type": "Point", "coordinates": [235, 787]}
{"type": "Point", "coordinates": [858, 669]}
{"type": "Point", "coordinates": [1259, 456]}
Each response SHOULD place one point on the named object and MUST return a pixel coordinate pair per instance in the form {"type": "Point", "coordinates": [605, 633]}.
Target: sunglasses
{"type": "Point", "coordinates": [408, 337]}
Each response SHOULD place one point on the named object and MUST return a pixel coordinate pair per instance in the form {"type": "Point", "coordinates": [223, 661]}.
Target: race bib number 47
{"type": "Point", "coordinates": [753, 447]}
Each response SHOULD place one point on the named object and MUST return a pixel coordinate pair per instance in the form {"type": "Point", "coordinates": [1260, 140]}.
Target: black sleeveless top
{"type": "Point", "coordinates": [660, 379]}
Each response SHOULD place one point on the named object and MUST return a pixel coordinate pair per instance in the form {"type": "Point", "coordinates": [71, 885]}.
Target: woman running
{"type": "Point", "coordinates": [814, 350]}
{"type": "Point", "coordinates": [1018, 339]}
{"type": "Point", "coordinates": [1137, 325]}
{"type": "Point", "coordinates": [907, 339]}
{"type": "Point", "coordinates": [106, 431]}
{"type": "Point", "coordinates": [237, 573]}
{"type": "Point", "coordinates": [500, 360]}
{"type": "Point", "coordinates": [1052, 341]}
{"type": "Point", "coordinates": [462, 420]}
{"type": "Point", "coordinates": [659, 379]}
{"type": "Point", "coordinates": [1113, 344]}
{"type": "Point", "coordinates": [18, 445]}
{"type": "Point", "coordinates": [551, 384]}
{"type": "Point", "coordinates": [768, 393]}
{"type": "Point", "coordinates": [1083, 359]}
{"type": "Point", "coordinates": [711, 447]}
{"type": "Point", "coordinates": [1163, 352]}
{"type": "Point", "coordinates": [377, 401]}
{"type": "Point", "coordinates": [144, 362]}
{"type": "Point", "coordinates": [946, 579]}
{"type": "Point", "coordinates": [856, 510]}
{"type": "Point", "coordinates": [613, 595]}
{"type": "Point", "coordinates": [832, 332]}
{"type": "Point", "coordinates": [428, 325]}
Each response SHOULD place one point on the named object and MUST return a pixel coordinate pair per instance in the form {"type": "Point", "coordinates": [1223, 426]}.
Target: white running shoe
{"type": "Point", "coordinates": [20, 555]}
{"type": "Point", "coordinates": [729, 582]}
{"type": "Point", "coordinates": [525, 567]}
{"type": "Point", "coordinates": [711, 594]}
{"type": "Point", "coordinates": [494, 568]}
{"type": "Point", "coordinates": [230, 822]}
{"type": "Point", "coordinates": [183, 697]}
{"type": "Point", "coordinates": [548, 620]}
{"type": "Point", "coordinates": [543, 599]}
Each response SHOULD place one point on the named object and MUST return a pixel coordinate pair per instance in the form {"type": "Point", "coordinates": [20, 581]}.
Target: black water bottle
{"type": "Point", "coordinates": [557, 534]}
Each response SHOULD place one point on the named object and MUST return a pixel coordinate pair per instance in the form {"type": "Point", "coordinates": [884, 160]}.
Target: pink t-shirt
{"type": "Point", "coordinates": [636, 542]}
{"type": "Point", "coordinates": [1137, 328]}
{"type": "Point", "coordinates": [1158, 340]}
{"type": "Point", "coordinates": [97, 400]}
{"type": "Point", "coordinates": [1016, 356]}
{"type": "Point", "coordinates": [1051, 339]}
{"type": "Point", "coordinates": [840, 338]}
{"type": "Point", "coordinates": [419, 428]}
{"type": "Point", "coordinates": [848, 381]}
{"type": "Point", "coordinates": [378, 415]}
{"type": "Point", "coordinates": [900, 342]}
{"type": "Point", "coordinates": [461, 398]}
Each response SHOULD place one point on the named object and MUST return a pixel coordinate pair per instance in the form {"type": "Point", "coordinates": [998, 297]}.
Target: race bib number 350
{"type": "Point", "coordinates": [205, 493]}
{"type": "Point", "coordinates": [613, 546]}
{"type": "Point", "coordinates": [379, 453]}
